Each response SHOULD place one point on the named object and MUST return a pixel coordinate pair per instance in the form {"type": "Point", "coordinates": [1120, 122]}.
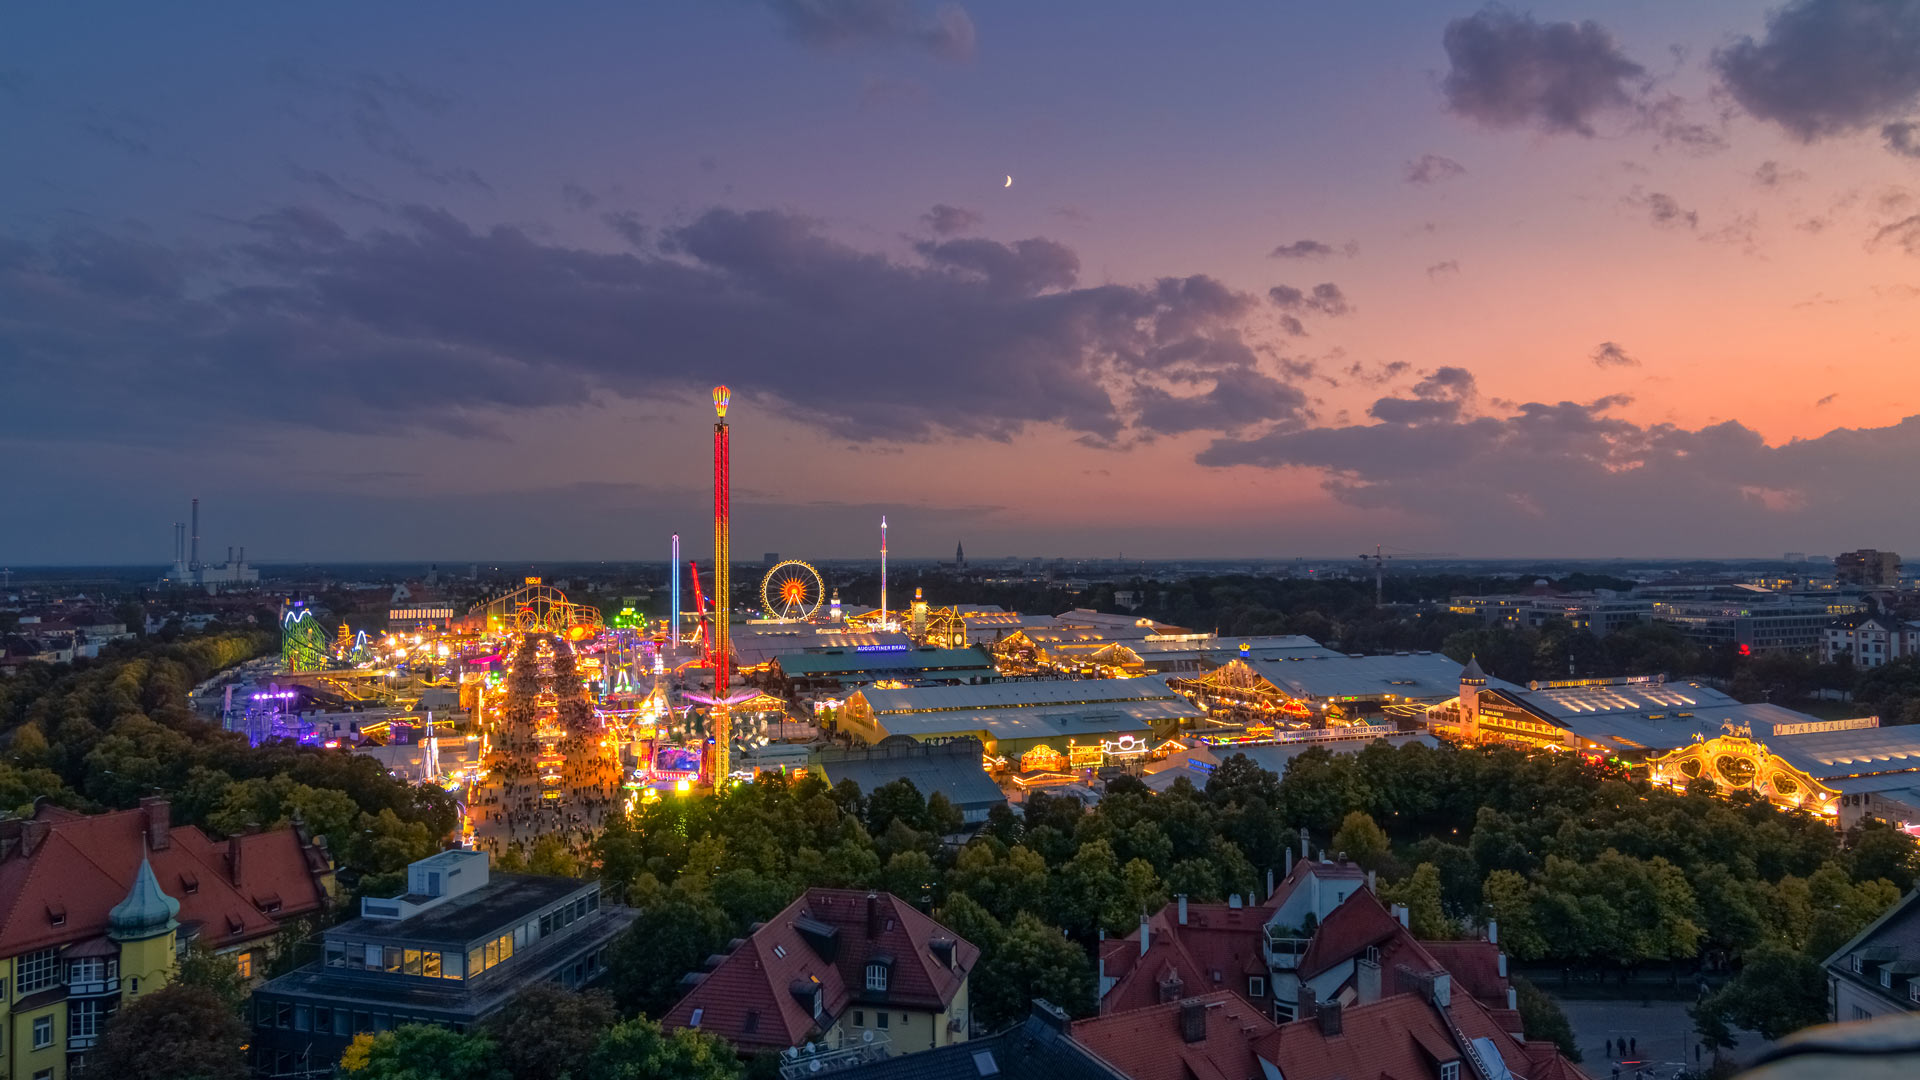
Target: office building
{"type": "Point", "coordinates": [452, 949]}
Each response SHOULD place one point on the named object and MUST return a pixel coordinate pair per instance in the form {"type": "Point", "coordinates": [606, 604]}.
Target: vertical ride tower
{"type": "Point", "coordinates": [721, 763]}
{"type": "Point", "coordinates": [673, 634]}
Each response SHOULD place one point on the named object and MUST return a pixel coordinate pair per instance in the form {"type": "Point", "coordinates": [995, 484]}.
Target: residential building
{"type": "Point", "coordinates": [1868, 568]}
{"type": "Point", "coordinates": [854, 974]}
{"type": "Point", "coordinates": [1878, 972]}
{"type": "Point", "coordinates": [452, 949]}
{"type": "Point", "coordinates": [96, 907]}
{"type": "Point", "coordinates": [1039, 1048]}
{"type": "Point", "coordinates": [1423, 1028]}
{"type": "Point", "coordinates": [1869, 641]}
{"type": "Point", "coordinates": [1320, 935]}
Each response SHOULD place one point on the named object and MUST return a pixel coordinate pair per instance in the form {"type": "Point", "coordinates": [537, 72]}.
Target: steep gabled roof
{"type": "Point", "coordinates": [1404, 1036]}
{"type": "Point", "coordinates": [62, 890]}
{"type": "Point", "coordinates": [753, 996]}
{"type": "Point", "coordinates": [1151, 1043]}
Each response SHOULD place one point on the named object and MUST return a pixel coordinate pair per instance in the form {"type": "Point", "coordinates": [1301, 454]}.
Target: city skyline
{"type": "Point", "coordinates": [1567, 280]}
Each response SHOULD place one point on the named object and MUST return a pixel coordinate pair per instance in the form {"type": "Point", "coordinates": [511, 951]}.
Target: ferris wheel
{"type": "Point", "coordinates": [792, 591]}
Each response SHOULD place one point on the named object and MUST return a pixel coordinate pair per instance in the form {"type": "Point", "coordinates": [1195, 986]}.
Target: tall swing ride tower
{"type": "Point", "coordinates": [722, 643]}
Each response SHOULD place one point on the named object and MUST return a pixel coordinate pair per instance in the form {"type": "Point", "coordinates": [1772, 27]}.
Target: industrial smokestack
{"type": "Point", "coordinates": [193, 559]}
{"type": "Point", "coordinates": [229, 554]}
{"type": "Point", "coordinates": [243, 555]}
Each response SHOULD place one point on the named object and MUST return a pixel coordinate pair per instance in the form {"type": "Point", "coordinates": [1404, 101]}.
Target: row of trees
{"type": "Point", "coordinates": [100, 734]}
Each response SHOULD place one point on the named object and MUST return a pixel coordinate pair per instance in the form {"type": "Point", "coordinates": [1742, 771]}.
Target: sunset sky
{"type": "Point", "coordinates": [452, 281]}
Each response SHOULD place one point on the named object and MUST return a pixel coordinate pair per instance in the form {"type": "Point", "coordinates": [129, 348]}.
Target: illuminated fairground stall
{"type": "Point", "coordinates": [1839, 770]}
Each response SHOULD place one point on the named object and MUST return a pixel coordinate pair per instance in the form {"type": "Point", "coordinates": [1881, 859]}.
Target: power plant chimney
{"type": "Point", "coordinates": [229, 554]}
{"type": "Point", "coordinates": [193, 559]}
{"type": "Point", "coordinates": [243, 554]}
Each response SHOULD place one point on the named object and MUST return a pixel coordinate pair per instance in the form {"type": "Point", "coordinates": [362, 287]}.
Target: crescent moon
{"type": "Point", "coordinates": [1009, 181]}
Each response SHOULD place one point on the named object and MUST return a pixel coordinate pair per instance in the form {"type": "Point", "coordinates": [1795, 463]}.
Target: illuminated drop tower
{"type": "Point", "coordinates": [673, 635]}
{"type": "Point", "coordinates": [721, 765]}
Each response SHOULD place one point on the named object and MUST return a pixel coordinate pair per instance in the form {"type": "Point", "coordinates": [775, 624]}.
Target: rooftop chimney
{"type": "Point", "coordinates": [1233, 900]}
{"type": "Point", "coordinates": [1303, 842]}
{"type": "Point", "coordinates": [233, 858]}
{"type": "Point", "coordinates": [159, 822]}
{"type": "Point", "coordinates": [1289, 870]}
{"type": "Point", "coordinates": [1183, 908]}
{"type": "Point", "coordinates": [1442, 989]}
{"type": "Point", "coordinates": [1329, 1017]}
{"type": "Point", "coordinates": [873, 916]}
{"type": "Point", "coordinates": [1143, 933]}
{"type": "Point", "coordinates": [1493, 931]}
{"type": "Point", "coordinates": [1400, 913]}
{"type": "Point", "coordinates": [1372, 885]}
{"type": "Point", "coordinates": [1050, 1014]}
{"type": "Point", "coordinates": [1305, 1004]}
{"type": "Point", "coordinates": [1269, 881]}
{"type": "Point", "coordinates": [33, 833]}
{"type": "Point", "coordinates": [1193, 1022]}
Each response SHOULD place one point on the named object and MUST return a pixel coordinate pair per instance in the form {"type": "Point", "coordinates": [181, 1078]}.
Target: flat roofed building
{"type": "Point", "coordinates": [451, 950]}
{"type": "Point", "coordinates": [756, 645]}
{"type": "Point", "coordinates": [952, 768]}
{"type": "Point", "coordinates": [835, 670]}
{"type": "Point", "coordinates": [1013, 719]}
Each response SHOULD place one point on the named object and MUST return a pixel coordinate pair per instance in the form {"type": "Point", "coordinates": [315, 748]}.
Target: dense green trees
{"type": "Point", "coordinates": [102, 734]}
{"type": "Point", "coordinates": [178, 1032]}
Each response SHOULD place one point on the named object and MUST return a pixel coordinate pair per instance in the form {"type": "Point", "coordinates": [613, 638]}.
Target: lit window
{"type": "Point", "coordinates": [243, 965]}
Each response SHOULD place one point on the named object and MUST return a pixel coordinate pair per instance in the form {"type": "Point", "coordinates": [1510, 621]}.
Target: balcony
{"type": "Point", "coordinates": [93, 987]}
{"type": "Point", "coordinates": [81, 1043]}
{"type": "Point", "coordinates": [1284, 948]}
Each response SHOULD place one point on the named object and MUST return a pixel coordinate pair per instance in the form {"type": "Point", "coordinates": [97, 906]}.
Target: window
{"type": "Point", "coordinates": [694, 1021]}
{"type": "Point", "coordinates": [336, 955]}
{"type": "Point", "coordinates": [881, 1018]}
{"type": "Point", "coordinates": [243, 965]}
{"type": "Point", "coordinates": [302, 1017]}
{"type": "Point", "coordinates": [859, 1018]}
{"type": "Point", "coordinates": [91, 969]}
{"type": "Point", "coordinates": [780, 951]}
{"type": "Point", "coordinates": [876, 977]}
{"type": "Point", "coordinates": [43, 1074]}
{"type": "Point", "coordinates": [36, 971]}
{"type": "Point", "coordinates": [1257, 986]}
{"type": "Point", "coordinates": [84, 1016]}
{"type": "Point", "coordinates": [323, 1020]}
{"type": "Point", "coordinates": [412, 963]}
{"type": "Point", "coordinates": [1449, 1070]}
{"type": "Point", "coordinates": [42, 1032]}
{"type": "Point", "coordinates": [476, 960]}
{"type": "Point", "coordinates": [283, 1015]}
{"type": "Point", "coordinates": [430, 964]}
{"type": "Point", "coordinates": [391, 958]}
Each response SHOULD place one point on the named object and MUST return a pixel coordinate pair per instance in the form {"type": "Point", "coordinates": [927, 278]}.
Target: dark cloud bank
{"type": "Point", "coordinates": [432, 322]}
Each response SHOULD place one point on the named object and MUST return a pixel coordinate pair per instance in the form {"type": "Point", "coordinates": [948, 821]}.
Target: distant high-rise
{"type": "Point", "coordinates": [1868, 567]}
{"type": "Point", "coordinates": [960, 555]}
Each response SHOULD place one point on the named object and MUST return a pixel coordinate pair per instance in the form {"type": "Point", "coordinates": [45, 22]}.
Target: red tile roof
{"type": "Point", "coordinates": [1404, 1036]}
{"type": "Point", "coordinates": [1150, 1044]}
{"type": "Point", "coordinates": [82, 865]}
{"type": "Point", "coordinates": [753, 987]}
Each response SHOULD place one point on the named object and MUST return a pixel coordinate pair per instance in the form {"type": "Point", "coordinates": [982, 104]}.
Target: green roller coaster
{"type": "Point", "coordinates": [303, 642]}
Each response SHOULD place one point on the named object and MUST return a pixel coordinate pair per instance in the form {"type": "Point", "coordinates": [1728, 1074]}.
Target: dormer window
{"type": "Point", "coordinates": [1449, 1070]}
{"type": "Point", "coordinates": [877, 977]}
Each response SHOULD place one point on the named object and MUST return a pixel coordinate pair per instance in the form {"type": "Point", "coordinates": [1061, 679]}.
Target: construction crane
{"type": "Point", "coordinates": [1381, 555]}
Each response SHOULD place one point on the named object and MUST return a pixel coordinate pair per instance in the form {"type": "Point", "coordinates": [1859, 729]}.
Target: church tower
{"type": "Point", "coordinates": [960, 556]}
{"type": "Point", "coordinates": [1472, 681]}
{"type": "Point", "coordinates": [144, 926]}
